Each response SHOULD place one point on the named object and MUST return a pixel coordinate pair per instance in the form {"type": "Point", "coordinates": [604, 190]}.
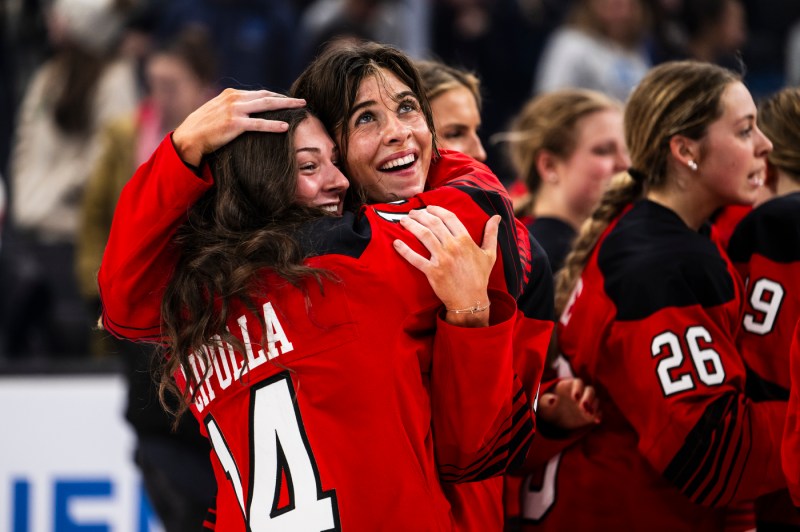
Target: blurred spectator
{"type": "Point", "coordinates": [602, 47]}
{"type": "Point", "coordinates": [180, 76]}
{"type": "Point", "coordinates": [499, 40]}
{"type": "Point", "coordinates": [56, 144]}
{"type": "Point", "coordinates": [251, 38]}
{"type": "Point", "coordinates": [793, 56]}
{"type": "Point", "coordinates": [716, 31]}
{"type": "Point", "coordinates": [23, 47]}
{"type": "Point", "coordinates": [565, 145]}
{"type": "Point", "coordinates": [769, 24]}
{"type": "Point", "coordinates": [402, 23]}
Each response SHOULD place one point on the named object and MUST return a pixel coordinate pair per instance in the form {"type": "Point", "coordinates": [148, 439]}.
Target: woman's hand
{"type": "Point", "coordinates": [458, 269]}
{"type": "Point", "coordinates": [570, 405]}
{"type": "Point", "coordinates": [225, 117]}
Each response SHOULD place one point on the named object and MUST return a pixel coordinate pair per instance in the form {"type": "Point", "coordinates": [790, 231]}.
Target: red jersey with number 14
{"type": "Point", "coordinates": [361, 401]}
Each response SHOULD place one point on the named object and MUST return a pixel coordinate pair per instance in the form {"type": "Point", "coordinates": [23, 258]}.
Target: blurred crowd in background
{"type": "Point", "coordinates": [90, 87]}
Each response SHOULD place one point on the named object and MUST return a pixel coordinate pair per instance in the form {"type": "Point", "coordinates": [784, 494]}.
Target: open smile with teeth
{"type": "Point", "coordinates": [756, 178]}
{"type": "Point", "coordinates": [332, 208]}
{"type": "Point", "coordinates": [399, 164]}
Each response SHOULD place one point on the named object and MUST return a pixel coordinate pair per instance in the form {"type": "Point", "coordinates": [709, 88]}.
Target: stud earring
{"type": "Point", "coordinates": [692, 165]}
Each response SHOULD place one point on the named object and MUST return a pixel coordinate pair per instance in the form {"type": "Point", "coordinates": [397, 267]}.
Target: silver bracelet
{"type": "Point", "coordinates": [470, 310]}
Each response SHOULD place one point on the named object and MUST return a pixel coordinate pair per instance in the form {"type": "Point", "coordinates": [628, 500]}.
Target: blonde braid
{"type": "Point", "coordinates": [622, 191]}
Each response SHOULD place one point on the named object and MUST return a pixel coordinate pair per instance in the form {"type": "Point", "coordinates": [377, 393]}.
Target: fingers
{"type": "Point", "coordinates": [489, 244]}
{"type": "Point", "coordinates": [420, 227]}
{"type": "Point", "coordinates": [448, 220]}
{"type": "Point", "coordinates": [414, 258]}
{"type": "Point", "coordinates": [250, 102]}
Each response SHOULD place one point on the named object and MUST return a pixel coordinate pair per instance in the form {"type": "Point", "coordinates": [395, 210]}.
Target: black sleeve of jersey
{"type": "Point", "coordinates": [760, 389]}
{"type": "Point", "coordinates": [537, 299]}
{"type": "Point", "coordinates": [772, 230]}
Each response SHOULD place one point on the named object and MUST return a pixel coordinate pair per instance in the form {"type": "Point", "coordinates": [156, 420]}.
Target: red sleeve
{"type": "Point", "coordinates": [790, 448]}
{"type": "Point", "coordinates": [527, 275]}
{"type": "Point", "coordinates": [473, 430]}
{"type": "Point", "coordinates": [684, 397]}
{"type": "Point", "coordinates": [139, 259]}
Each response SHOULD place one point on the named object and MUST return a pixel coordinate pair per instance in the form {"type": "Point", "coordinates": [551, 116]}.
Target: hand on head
{"type": "Point", "coordinates": [224, 118]}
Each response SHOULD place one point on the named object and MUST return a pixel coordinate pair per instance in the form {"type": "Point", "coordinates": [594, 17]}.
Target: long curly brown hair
{"type": "Point", "coordinates": [244, 224]}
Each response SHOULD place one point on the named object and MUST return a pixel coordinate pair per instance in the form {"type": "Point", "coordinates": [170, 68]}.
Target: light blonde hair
{"type": "Point", "coordinates": [548, 122]}
{"type": "Point", "coordinates": [438, 78]}
{"type": "Point", "coordinates": [674, 98]}
{"type": "Point", "coordinates": [779, 120]}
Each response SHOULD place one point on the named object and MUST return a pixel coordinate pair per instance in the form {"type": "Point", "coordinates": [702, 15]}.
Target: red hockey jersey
{"type": "Point", "coordinates": [479, 505]}
{"type": "Point", "coordinates": [765, 248]}
{"type": "Point", "coordinates": [336, 422]}
{"type": "Point", "coordinates": [652, 325]}
{"type": "Point", "coordinates": [790, 447]}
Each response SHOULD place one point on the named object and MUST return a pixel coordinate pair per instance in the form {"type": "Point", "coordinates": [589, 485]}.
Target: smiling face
{"type": "Point", "coordinates": [599, 153]}
{"type": "Point", "coordinates": [732, 160]}
{"type": "Point", "coordinates": [320, 182]}
{"type": "Point", "coordinates": [457, 120]}
{"type": "Point", "coordinates": [390, 146]}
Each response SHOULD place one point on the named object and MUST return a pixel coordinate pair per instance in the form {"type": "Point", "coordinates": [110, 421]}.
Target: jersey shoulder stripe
{"type": "Point", "coordinates": [715, 442]}
{"type": "Point", "coordinates": [652, 261]}
{"type": "Point", "coordinates": [772, 230]}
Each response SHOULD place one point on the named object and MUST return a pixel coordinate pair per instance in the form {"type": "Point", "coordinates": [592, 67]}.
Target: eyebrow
{"type": "Point", "coordinates": [398, 97]}
{"type": "Point", "coordinates": [316, 150]}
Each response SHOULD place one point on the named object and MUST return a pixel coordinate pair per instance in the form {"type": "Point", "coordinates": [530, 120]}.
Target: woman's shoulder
{"type": "Point", "coordinates": [771, 230]}
{"type": "Point", "coordinates": [651, 261]}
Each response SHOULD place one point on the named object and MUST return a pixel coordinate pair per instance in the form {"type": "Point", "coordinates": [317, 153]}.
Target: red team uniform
{"type": "Point", "coordinates": [652, 325]}
{"type": "Point", "coordinates": [293, 424]}
{"type": "Point", "coordinates": [790, 447]}
{"type": "Point", "coordinates": [765, 248]}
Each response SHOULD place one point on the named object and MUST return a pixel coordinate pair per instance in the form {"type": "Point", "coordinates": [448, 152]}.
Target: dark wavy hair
{"type": "Point", "coordinates": [244, 224]}
{"type": "Point", "coordinates": [330, 86]}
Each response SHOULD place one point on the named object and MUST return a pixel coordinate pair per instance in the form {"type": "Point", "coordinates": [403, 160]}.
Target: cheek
{"type": "Point", "coordinates": [307, 189]}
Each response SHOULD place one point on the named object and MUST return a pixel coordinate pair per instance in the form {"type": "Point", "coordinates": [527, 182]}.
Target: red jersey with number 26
{"type": "Point", "coordinates": [652, 325]}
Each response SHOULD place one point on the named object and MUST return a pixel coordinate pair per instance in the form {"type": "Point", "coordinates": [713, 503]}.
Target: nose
{"type": "Point", "coordinates": [478, 152]}
{"type": "Point", "coordinates": [764, 147]}
{"type": "Point", "coordinates": [622, 161]}
{"type": "Point", "coordinates": [394, 130]}
{"type": "Point", "coordinates": [336, 181]}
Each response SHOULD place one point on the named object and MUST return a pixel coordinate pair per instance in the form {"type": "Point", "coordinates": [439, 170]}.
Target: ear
{"type": "Point", "coordinates": [684, 149]}
{"type": "Point", "coordinates": [546, 166]}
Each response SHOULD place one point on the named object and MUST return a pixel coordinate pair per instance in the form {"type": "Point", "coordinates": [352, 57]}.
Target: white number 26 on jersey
{"type": "Point", "coordinates": [279, 447]}
{"type": "Point", "coordinates": [707, 363]}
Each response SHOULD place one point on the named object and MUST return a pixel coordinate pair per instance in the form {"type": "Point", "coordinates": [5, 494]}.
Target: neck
{"type": "Point", "coordinates": [689, 208]}
{"type": "Point", "coordinates": [550, 204]}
